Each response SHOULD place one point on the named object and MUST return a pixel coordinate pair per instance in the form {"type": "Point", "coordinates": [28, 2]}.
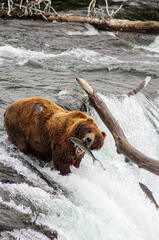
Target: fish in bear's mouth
{"type": "Point", "coordinates": [81, 146]}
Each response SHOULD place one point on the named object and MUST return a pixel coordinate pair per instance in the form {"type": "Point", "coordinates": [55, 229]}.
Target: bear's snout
{"type": "Point", "coordinates": [88, 140]}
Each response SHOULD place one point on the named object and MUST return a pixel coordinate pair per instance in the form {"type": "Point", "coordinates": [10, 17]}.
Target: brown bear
{"type": "Point", "coordinates": [40, 126]}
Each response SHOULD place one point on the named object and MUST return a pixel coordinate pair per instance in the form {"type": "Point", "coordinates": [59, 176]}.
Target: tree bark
{"type": "Point", "coordinates": [122, 144]}
{"type": "Point", "coordinates": [112, 24]}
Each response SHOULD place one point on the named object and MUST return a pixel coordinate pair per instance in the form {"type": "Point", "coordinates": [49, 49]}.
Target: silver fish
{"type": "Point", "coordinates": [148, 194]}
{"type": "Point", "coordinates": [84, 148]}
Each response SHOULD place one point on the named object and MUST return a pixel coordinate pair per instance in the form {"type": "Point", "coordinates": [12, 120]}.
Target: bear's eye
{"type": "Point", "coordinates": [89, 131]}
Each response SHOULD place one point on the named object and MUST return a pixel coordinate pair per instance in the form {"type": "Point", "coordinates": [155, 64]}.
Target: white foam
{"type": "Point", "coordinates": [11, 54]}
{"type": "Point", "coordinates": [153, 47]}
{"type": "Point", "coordinates": [12, 204]}
{"type": "Point", "coordinates": [90, 56]}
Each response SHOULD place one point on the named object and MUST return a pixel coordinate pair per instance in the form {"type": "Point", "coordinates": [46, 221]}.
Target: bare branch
{"type": "Point", "coordinates": [113, 13]}
{"type": "Point", "coordinates": [107, 8]}
{"type": "Point", "coordinates": [91, 7]}
{"type": "Point", "coordinates": [88, 89]}
{"type": "Point", "coordinates": [142, 85]}
{"type": "Point", "coordinates": [20, 6]}
{"type": "Point", "coordinates": [28, 8]}
{"type": "Point", "coordinates": [117, 10]}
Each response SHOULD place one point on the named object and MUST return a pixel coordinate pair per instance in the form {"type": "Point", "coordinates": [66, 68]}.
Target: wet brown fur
{"type": "Point", "coordinates": [39, 125]}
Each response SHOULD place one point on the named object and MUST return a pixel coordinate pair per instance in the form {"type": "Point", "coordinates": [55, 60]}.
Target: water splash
{"type": "Point", "coordinates": [12, 55]}
{"type": "Point", "coordinates": [90, 56]}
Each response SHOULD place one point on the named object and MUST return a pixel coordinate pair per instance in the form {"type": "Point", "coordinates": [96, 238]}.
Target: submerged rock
{"type": "Point", "coordinates": [72, 100]}
{"type": "Point", "coordinates": [13, 219]}
{"type": "Point", "coordinates": [136, 38]}
{"type": "Point", "coordinates": [9, 175]}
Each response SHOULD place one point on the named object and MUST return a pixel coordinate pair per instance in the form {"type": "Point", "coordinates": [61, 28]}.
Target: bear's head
{"type": "Point", "coordinates": [88, 132]}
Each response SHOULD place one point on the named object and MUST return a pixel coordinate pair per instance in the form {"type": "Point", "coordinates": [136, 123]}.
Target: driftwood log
{"type": "Point", "coordinates": [108, 24]}
{"type": "Point", "coordinates": [122, 144]}
{"type": "Point", "coordinates": [112, 24]}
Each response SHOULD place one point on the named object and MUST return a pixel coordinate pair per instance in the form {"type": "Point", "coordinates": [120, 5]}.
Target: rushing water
{"type": "Point", "coordinates": [43, 59]}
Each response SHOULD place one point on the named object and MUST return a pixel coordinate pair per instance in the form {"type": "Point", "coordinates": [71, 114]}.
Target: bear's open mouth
{"type": "Point", "coordinates": [78, 150]}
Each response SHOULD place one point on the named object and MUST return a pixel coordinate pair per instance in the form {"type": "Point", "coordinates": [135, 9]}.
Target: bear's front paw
{"type": "Point", "coordinates": [65, 172]}
{"type": "Point", "coordinates": [64, 169]}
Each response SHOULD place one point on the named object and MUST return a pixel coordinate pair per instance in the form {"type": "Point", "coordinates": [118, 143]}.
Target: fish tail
{"type": "Point", "coordinates": [95, 159]}
{"type": "Point", "coordinates": [100, 163]}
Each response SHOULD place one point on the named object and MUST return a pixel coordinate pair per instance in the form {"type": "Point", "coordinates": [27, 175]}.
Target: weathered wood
{"type": "Point", "coordinates": [109, 24]}
{"type": "Point", "coordinates": [112, 24]}
{"type": "Point", "coordinates": [142, 85]}
{"type": "Point", "coordinates": [122, 144]}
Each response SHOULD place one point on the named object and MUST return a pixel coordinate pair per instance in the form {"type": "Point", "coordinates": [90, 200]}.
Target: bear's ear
{"type": "Point", "coordinates": [90, 120]}
{"type": "Point", "coordinates": [104, 134]}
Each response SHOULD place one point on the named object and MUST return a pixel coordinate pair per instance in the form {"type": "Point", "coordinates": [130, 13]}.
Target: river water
{"type": "Point", "coordinates": [43, 59]}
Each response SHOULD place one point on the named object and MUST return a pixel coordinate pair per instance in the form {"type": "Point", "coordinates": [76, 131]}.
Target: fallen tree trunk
{"type": "Point", "coordinates": [108, 24]}
{"type": "Point", "coordinates": [112, 24]}
{"type": "Point", "coordinates": [122, 144]}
